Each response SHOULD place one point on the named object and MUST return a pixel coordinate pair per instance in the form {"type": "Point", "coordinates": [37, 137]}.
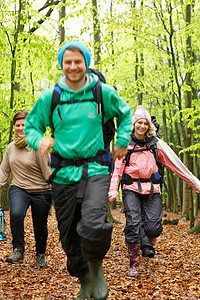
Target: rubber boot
{"type": "Point", "coordinates": [86, 287]}
{"type": "Point", "coordinates": [99, 285]}
{"type": "Point", "coordinates": [148, 251]}
{"type": "Point", "coordinates": [133, 251]}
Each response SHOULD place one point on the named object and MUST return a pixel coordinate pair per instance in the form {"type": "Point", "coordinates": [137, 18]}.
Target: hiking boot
{"type": "Point", "coordinates": [148, 251]}
{"type": "Point", "coordinates": [99, 285]}
{"type": "Point", "coordinates": [40, 260]}
{"type": "Point", "coordinates": [86, 287]}
{"type": "Point", "coordinates": [133, 251]}
{"type": "Point", "coordinates": [15, 257]}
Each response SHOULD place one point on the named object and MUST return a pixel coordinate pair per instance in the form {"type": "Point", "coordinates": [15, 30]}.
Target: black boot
{"type": "Point", "coordinates": [148, 251]}
{"type": "Point", "coordinates": [99, 285]}
{"type": "Point", "coordinates": [86, 287]}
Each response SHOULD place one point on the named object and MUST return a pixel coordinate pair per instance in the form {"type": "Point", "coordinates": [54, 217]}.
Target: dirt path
{"type": "Point", "coordinates": [174, 272]}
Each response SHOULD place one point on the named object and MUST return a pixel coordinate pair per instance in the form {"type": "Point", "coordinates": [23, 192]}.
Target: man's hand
{"type": "Point", "coordinates": [45, 145]}
{"type": "Point", "coordinates": [111, 199]}
{"type": "Point", "coordinates": [118, 152]}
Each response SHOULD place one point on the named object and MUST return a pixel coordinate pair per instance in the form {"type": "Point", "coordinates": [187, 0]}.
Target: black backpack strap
{"type": "Point", "coordinates": [126, 160]}
{"type": "Point", "coordinates": [153, 149]}
{"type": "Point", "coordinates": [55, 98]}
{"type": "Point", "coordinates": [109, 125]}
{"type": "Point", "coordinates": [160, 167]}
{"type": "Point", "coordinates": [97, 93]}
{"type": "Point", "coordinates": [128, 180]}
{"type": "Point", "coordinates": [54, 102]}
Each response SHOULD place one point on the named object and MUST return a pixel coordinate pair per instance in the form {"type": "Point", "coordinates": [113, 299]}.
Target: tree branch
{"type": "Point", "coordinates": [48, 3]}
{"type": "Point", "coordinates": [41, 21]}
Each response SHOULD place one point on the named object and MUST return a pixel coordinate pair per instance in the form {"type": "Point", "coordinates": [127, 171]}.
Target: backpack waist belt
{"type": "Point", "coordinates": [154, 179]}
{"type": "Point", "coordinates": [57, 162]}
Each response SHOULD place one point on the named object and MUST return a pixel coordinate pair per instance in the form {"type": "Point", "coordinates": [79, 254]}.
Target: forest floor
{"type": "Point", "coordinates": [174, 272]}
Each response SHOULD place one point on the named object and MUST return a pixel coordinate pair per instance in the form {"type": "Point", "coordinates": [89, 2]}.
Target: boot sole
{"type": "Point", "coordinates": [148, 255]}
{"type": "Point", "coordinates": [41, 266]}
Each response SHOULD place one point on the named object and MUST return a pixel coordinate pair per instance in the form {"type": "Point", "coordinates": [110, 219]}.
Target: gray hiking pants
{"type": "Point", "coordinates": [85, 232]}
{"type": "Point", "coordinates": [138, 206]}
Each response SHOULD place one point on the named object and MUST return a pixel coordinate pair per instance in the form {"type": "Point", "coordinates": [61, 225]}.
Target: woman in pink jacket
{"type": "Point", "coordinates": [141, 183]}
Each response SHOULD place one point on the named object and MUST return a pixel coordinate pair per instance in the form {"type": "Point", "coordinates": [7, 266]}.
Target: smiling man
{"type": "Point", "coordinates": [85, 232]}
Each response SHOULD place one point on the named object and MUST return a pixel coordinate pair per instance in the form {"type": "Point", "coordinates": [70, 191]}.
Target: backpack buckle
{"type": "Point", "coordinates": [78, 161]}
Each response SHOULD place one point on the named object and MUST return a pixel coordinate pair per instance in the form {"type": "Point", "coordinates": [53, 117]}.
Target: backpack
{"type": "Point", "coordinates": [109, 126]}
{"type": "Point", "coordinates": [155, 123]}
{"type": "Point", "coordinates": [160, 166]}
{"type": "Point", "coordinates": [155, 178]}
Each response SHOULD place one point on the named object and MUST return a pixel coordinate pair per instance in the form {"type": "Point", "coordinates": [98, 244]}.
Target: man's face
{"type": "Point", "coordinates": [74, 67]}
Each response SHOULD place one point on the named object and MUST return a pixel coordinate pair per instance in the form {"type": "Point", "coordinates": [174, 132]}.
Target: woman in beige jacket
{"type": "Point", "coordinates": [28, 188]}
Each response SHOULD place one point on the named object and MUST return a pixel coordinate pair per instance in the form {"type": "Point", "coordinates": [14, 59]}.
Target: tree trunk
{"type": "Point", "coordinates": [188, 104]}
{"type": "Point", "coordinates": [186, 203]}
{"type": "Point", "coordinates": [141, 55]}
{"type": "Point", "coordinates": [62, 14]}
{"type": "Point", "coordinates": [169, 195]}
{"type": "Point", "coordinates": [96, 30]}
{"type": "Point", "coordinates": [196, 228]}
{"type": "Point", "coordinates": [179, 143]}
{"type": "Point", "coordinates": [195, 172]}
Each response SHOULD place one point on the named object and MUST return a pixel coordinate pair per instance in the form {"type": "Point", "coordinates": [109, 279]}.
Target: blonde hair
{"type": "Point", "coordinates": [151, 131]}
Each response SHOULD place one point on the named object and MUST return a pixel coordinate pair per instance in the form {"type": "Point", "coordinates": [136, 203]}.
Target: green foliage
{"type": "Point", "coordinates": [137, 40]}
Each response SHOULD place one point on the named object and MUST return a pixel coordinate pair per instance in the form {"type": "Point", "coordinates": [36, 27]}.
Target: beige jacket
{"type": "Point", "coordinates": [30, 170]}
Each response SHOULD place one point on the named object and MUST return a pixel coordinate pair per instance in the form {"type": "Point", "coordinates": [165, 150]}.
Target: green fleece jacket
{"type": "Point", "coordinates": [78, 127]}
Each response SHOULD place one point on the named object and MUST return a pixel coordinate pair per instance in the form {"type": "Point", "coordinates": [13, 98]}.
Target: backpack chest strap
{"type": "Point", "coordinates": [154, 179]}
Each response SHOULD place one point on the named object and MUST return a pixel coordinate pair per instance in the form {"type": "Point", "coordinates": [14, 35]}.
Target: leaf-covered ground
{"type": "Point", "coordinates": [174, 272]}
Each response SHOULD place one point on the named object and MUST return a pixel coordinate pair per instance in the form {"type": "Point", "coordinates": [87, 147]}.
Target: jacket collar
{"type": "Point", "coordinates": [146, 142]}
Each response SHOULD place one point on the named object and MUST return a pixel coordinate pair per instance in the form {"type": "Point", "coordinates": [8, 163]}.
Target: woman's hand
{"type": "Point", "coordinates": [111, 199]}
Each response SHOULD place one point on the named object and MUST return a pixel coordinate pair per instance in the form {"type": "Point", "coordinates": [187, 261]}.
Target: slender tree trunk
{"type": "Point", "coordinates": [179, 143]}
{"type": "Point", "coordinates": [164, 118]}
{"type": "Point", "coordinates": [141, 56]}
{"type": "Point", "coordinates": [62, 15]}
{"type": "Point", "coordinates": [188, 104]}
{"type": "Point", "coordinates": [96, 30]}
{"type": "Point", "coordinates": [195, 140]}
{"type": "Point", "coordinates": [140, 94]}
{"type": "Point", "coordinates": [196, 173]}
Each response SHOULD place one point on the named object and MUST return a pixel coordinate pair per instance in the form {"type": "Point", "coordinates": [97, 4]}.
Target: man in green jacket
{"type": "Point", "coordinates": [81, 205]}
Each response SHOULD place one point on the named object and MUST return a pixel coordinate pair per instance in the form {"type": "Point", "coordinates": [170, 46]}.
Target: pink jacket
{"type": "Point", "coordinates": [143, 165]}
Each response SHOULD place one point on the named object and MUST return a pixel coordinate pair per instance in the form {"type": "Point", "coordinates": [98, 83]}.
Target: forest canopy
{"type": "Point", "coordinates": [148, 50]}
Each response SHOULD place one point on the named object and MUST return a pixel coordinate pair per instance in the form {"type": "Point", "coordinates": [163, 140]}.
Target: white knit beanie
{"type": "Point", "coordinates": [141, 113]}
